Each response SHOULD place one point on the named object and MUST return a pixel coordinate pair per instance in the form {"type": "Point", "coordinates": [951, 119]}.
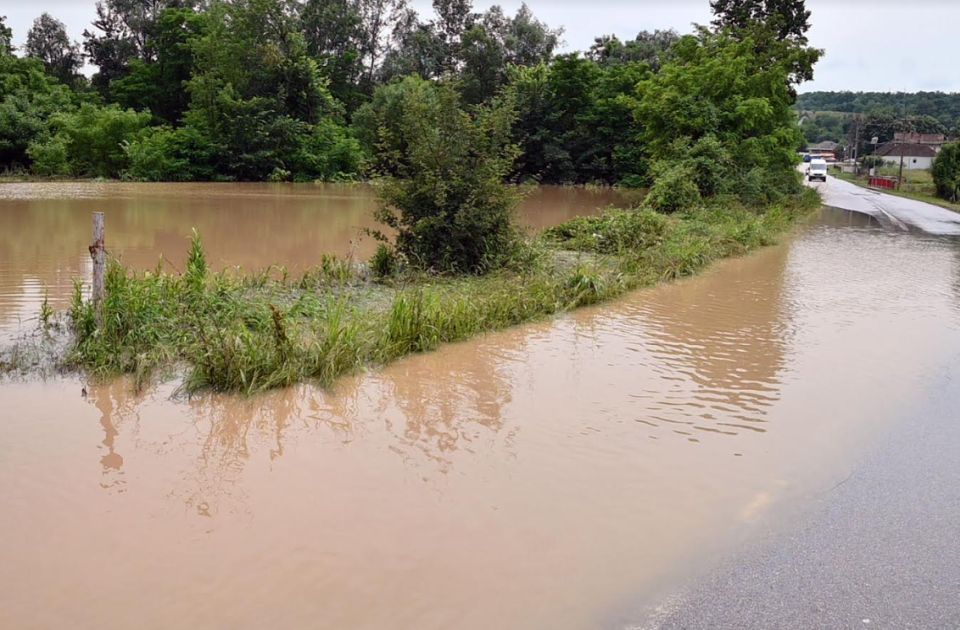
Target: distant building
{"type": "Point", "coordinates": [917, 156]}
{"type": "Point", "coordinates": [826, 150]}
{"type": "Point", "coordinates": [932, 139]}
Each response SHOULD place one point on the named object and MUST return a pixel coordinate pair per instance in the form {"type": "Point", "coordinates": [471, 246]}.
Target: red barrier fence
{"type": "Point", "coordinates": [884, 182]}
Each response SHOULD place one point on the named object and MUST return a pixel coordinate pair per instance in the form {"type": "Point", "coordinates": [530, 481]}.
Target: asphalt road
{"type": "Point", "coordinates": [889, 209]}
{"type": "Point", "coordinates": [880, 550]}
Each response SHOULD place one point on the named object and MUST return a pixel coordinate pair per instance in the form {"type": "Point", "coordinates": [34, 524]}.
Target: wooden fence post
{"type": "Point", "coordinates": [99, 255]}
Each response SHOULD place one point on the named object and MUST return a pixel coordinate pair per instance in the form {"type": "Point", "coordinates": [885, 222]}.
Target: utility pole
{"type": "Point", "coordinates": [856, 147]}
{"type": "Point", "coordinates": [900, 177]}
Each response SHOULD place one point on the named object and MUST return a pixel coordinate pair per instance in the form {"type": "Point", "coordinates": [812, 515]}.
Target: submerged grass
{"type": "Point", "coordinates": [256, 332]}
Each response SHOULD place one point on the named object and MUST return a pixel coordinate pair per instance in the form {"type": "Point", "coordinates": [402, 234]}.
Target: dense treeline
{"type": "Point", "coordinates": [301, 90]}
{"type": "Point", "coordinates": [846, 116]}
{"type": "Point", "coordinates": [944, 107]}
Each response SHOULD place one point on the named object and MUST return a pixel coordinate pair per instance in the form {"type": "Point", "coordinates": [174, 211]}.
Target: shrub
{"type": "Point", "coordinates": [613, 232]}
{"type": "Point", "coordinates": [328, 152]}
{"type": "Point", "coordinates": [711, 165]}
{"type": "Point", "coordinates": [946, 172]}
{"type": "Point", "coordinates": [88, 142]}
{"type": "Point", "coordinates": [384, 262]}
{"type": "Point", "coordinates": [172, 155]}
{"type": "Point", "coordinates": [448, 203]}
{"type": "Point", "coordinates": [674, 188]}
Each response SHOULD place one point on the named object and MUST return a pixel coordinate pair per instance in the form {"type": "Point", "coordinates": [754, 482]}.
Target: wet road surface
{"type": "Point", "coordinates": [879, 550]}
{"type": "Point", "coordinates": [890, 210]}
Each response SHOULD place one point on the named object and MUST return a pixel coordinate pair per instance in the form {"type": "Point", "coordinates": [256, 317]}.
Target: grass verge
{"type": "Point", "coordinates": [249, 333]}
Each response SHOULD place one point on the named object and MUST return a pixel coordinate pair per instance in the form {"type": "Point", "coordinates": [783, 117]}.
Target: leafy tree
{"type": "Point", "coordinates": [379, 18]}
{"type": "Point", "coordinates": [47, 40]}
{"type": "Point", "coordinates": [259, 98]}
{"type": "Point", "coordinates": [942, 106]}
{"type": "Point", "coordinates": [448, 203]}
{"type": "Point", "coordinates": [719, 90]}
{"type": "Point", "coordinates": [111, 49]}
{"type": "Point", "coordinates": [454, 17]}
{"type": "Point", "coordinates": [160, 84]}
{"type": "Point", "coordinates": [87, 142]}
{"type": "Point", "coordinates": [778, 30]}
{"type": "Point", "coordinates": [165, 154]}
{"type": "Point", "coordinates": [476, 48]}
{"type": "Point", "coordinates": [946, 172]}
{"type": "Point", "coordinates": [377, 124]}
{"type": "Point", "coordinates": [788, 19]}
{"type": "Point", "coordinates": [415, 48]}
{"type": "Point", "coordinates": [122, 33]}
{"type": "Point", "coordinates": [494, 43]}
{"type": "Point", "coordinates": [6, 37]}
{"type": "Point", "coordinates": [674, 189]}
{"type": "Point", "coordinates": [575, 122]}
{"type": "Point", "coordinates": [28, 97]}
{"type": "Point", "coordinates": [650, 48]}
{"type": "Point", "coordinates": [255, 47]}
{"type": "Point", "coordinates": [335, 37]}
{"type": "Point", "coordinates": [820, 126]}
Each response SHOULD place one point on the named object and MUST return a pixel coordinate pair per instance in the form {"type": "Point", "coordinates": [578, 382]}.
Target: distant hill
{"type": "Point", "coordinates": [945, 107]}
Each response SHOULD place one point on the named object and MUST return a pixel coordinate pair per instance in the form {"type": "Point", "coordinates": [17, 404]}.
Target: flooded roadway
{"type": "Point", "coordinates": [564, 474]}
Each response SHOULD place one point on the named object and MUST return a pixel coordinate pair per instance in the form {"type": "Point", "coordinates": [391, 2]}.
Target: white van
{"type": "Point", "coordinates": [817, 170]}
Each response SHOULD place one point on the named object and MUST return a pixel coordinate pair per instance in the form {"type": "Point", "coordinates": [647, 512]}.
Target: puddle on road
{"type": "Point", "coordinates": [548, 476]}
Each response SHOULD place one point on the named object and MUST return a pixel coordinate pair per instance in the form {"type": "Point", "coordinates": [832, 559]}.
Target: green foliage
{"type": "Point", "coordinates": [47, 41]}
{"type": "Point", "coordinates": [946, 172]}
{"type": "Point", "coordinates": [674, 188]}
{"type": "Point", "coordinates": [159, 83]}
{"type": "Point", "coordinates": [327, 152]}
{"type": "Point", "coordinates": [6, 37]}
{"type": "Point", "coordinates": [944, 107]}
{"type": "Point", "coordinates": [728, 103]}
{"type": "Point", "coordinates": [820, 126]}
{"type": "Point", "coordinates": [786, 19]}
{"type": "Point", "coordinates": [385, 262]}
{"type": "Point", "coordinates": [575, 122]}
{"type": "Point", "coordinates": [448, 203]}
{"type": "Point", "coordinates": [261, 90]}
{"type": "Point", "coordinates": [613, 232]}
{"type": "Point", "coordinates": [164, 154]}
{"type": "Point", "coordinates": [28, 98]}
{"type": "Point", "coordinates": [335, 37]}
{"type": "Point", "coordinates": [87, 142]}
{"type": "Point", "coordinates": [478, 49]}
{"type": "Point", "coordinates": [652, 49]}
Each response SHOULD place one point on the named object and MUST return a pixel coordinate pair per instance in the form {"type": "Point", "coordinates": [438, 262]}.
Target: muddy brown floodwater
{"type": "Point", "coordinates": [45, 229]}
{"type": "Point", "coordinates": [558, 475]}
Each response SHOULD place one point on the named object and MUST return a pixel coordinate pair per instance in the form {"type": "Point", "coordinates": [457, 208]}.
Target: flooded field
{"type": "Point", "coordinates": [557, 475]}
{"type": "Point", "coordinates": [45, 229]}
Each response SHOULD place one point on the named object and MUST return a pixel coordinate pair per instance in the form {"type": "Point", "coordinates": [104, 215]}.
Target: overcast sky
{"type": "Point", "coordinates": [879, 45]}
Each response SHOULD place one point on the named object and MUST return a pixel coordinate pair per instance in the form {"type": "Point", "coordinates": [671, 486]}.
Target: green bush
{"type": "Point", "coordinates": [329, 153]}
{"type": "Point", "coordinates": [448, 203]}
{"type": "Point", "coordinates": [172, 155]}
{"type": "Point", "coordinates": [712, 166]}
{"type": "Point", "coordinates": [946, 172]}
{"type": "Point", "coordinates": [88, 142]}
{"type": "Point", "coordinates": [384, 262]}
{"type": "Point", "coordinates": [613, 232]}
{"type": "Point", "coordinates": [674, 188]}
